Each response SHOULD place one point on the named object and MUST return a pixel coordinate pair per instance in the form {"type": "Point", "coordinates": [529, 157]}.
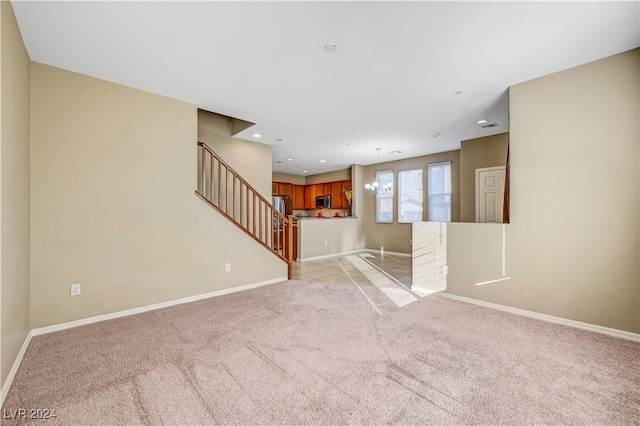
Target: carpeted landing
{"type": "Point", "coordinates": [312, 353]}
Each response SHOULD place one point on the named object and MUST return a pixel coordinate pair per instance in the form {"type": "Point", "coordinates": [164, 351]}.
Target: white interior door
{"type": "Point", "coordinates": [489, 194]}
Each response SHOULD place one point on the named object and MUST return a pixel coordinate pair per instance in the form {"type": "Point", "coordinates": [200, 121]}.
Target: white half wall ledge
{"type": "Point", "coordinates": [627, 335]}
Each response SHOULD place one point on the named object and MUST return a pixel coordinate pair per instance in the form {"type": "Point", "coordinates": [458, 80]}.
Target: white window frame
{"type": "Point", "coordinates": [431, 195]}
{"type": "Point", "coordinates": [402, 198]}
{"type": "Point", "coordinates": [386, 196]}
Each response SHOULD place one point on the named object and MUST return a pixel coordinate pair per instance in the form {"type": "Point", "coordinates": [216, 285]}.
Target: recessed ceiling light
{"type": "Point", "coordinates": [304, 171]}
{"type": "Point", "coordinates": [435, 134]}
{"type": "Point", "coordinates": [483, 121]}
{"type": "Point", "coordinates": [289, 159]}
{"type": "Point", "coordinates": [459, 92]}
{"type": "Point", "coordinates": [257, 135]}
{"type": "Point", "coordinates": [331, 48]}
{"type": "Point", "coordinates": [323, 161]}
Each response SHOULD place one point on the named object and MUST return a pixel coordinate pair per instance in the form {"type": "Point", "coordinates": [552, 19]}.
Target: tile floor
{"type": "Point", "coordinates": [384, 281]}
{"type": "Point", "coordinates": [340, 270]}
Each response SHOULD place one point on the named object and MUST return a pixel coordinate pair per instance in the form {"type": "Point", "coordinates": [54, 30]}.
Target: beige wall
{"type": "Point", "coordinates": [329, 177]}
{"type": "Point", "coordinates": [285, 177]}
{"type": "Point", "coordinates": [396, 236]}
{"type": "Point", "coordinates": [340, 235]}
{"type": "Point", "coordinates": [310, 180]}
{"type": "Point", "coordinates": [477, 153]}
{"type": "Point", "coordinates": [113, 173]}
{"type": "Point", "coordinates": [572, 244]}
{"type": "Point", "coordinates": [250, 159]}
{"type": "Point", "coordinates": [14, 202]}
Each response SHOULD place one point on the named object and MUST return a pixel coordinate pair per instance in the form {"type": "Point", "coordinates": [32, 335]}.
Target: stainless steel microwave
{"type": "Point", "coordinates": [323, 202]}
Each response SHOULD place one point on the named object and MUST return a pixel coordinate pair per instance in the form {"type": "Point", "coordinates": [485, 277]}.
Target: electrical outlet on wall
{"type": "Point", "coordinates": [326, 242]}
{"type": "Point", "coordinates": [227, 267]}
{"type": "Point", "coordinates": [76, 289]}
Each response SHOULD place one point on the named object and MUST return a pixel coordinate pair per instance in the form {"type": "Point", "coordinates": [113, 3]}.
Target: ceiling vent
{"type": "Point", "coordinates": [278, 162]}
{"type": "Point", "coordinates": [488, 126]}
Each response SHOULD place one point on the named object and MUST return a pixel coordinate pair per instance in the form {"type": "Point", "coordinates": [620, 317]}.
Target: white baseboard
{"type": "Point", "coordinates": [125, 313]}
{"type": "Point", "coordinates": [113, 315]}
{"type": "Point", "coordinates": [394, 253]}
{"type": "Point", "coordinates": [549, 318]}
{"type": "Point", "coordinates": [344, 253]}
{"type": "Point", "coordinates": [14, 368]}
{"type": "Point", "coordinates": [327, 256]}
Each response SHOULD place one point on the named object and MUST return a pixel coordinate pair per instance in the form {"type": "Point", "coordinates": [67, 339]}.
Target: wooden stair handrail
{"type": "Point", "coordinates": [261, 221]}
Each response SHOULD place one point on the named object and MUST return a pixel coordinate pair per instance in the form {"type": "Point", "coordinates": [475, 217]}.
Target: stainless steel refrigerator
{"type": "Point", "coordinates": [284, 204]}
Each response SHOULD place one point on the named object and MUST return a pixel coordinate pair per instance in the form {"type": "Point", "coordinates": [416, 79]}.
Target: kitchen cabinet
{"type": "Point", "coordinates": [285, 189]}
{"type": "Point", "coordinates": [298, 197]}
{"type": "Point", "coordinates": [310, 192]}
{"type": "Point", "coordinates": [304, 196]}
{"type": "Point", "coordinates": [326, 189]}
{"type": "Point", "coordinates": [338, 198]}
{"type": "Point", "coordinates": [337, 195]}
{"type": "Point", "coordinates": [282, 188]}
{"type": "Point", "coordinates": [346, 184]}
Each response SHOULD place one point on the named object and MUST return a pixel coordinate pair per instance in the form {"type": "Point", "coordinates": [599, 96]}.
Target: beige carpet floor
{"type": "Point", "coordinates": [304, 352]}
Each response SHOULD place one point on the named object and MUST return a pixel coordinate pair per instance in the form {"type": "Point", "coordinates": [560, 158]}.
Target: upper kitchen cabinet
{"type": "Point", "coordinates": [285, 189]}
{"type": "Point", "coordinates": [310, 194]}
{"type": "Point", "coordinates": [338, 197]}
{"type": "Point", "coordinates": [298, 197]}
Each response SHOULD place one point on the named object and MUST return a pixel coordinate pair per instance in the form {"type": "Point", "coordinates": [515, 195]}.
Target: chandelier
{"type": "Point", "coordinates": [377, 185]}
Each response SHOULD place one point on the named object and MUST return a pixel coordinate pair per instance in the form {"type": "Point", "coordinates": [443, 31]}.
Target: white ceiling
{"type": "Point", "coordinates": [391, 84]}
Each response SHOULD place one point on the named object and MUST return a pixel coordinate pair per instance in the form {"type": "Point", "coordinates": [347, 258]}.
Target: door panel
{"type": "Point", "coordinates": [489, 194]}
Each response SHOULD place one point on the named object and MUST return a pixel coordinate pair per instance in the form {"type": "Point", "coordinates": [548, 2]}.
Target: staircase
{"type": "Point", "coordinates": [227, 192]}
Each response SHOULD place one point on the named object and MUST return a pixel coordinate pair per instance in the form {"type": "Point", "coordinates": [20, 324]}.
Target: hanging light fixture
{"type": "Point", "coordinates": [377, 184]}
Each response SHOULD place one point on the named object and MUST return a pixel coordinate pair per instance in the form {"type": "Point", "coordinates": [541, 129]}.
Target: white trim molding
{"type": "Point", "coordinates": [327, 256]}
{"type": "Point", "coordinates": [393, 253]}
{"type": "Point", "coordinates": [14, 368]}
{"type": "Point", "coordinates": [627, 335]}
{"type": "Point", "coordinates": [345, 253]}
{"type": "Point", "coordinates": [125, 313]}
{"type": "Point", "coordinates": [72, 324]}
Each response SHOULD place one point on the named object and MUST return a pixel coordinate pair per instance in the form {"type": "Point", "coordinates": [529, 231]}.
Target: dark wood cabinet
{"type": "Point", "coordinates": [337, 195]}
{"type": "Point", "coordinates": [304, 196]}
{"type": "Point", "coordinates": [298, 197]}
{"type": "Point", "coordinates": [285, 189]}
{"type": "Point", "coordinates": [281, 188]}
{"type": "Point", "coordinates": [310, 192]}
{"type": "Point", "coordinates": [346, 185]}
{"type": "Point", "coordinates": [326, 189]}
